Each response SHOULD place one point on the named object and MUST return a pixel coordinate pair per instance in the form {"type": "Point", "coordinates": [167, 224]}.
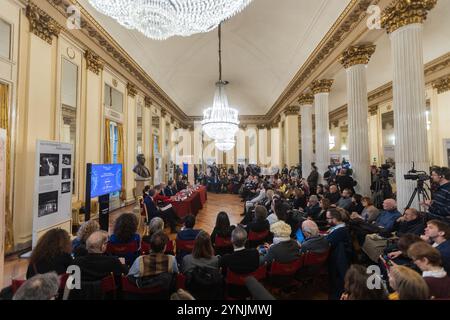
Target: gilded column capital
{"type": "Point", "coordinates": [163, 112]}
{"type": "Point", "coordinates": [354, 55]}
{"type": "Point", "coordinates": [292, 110]}
{"type": "Point", "coordinates": [373, 110]}
{"type": "Point", "coordinates": [93, 62]}
{"type": "Point", "coordinates": [131, 89]}
{"type": "Point", "coordinates": [243, 126]}
{"type": "Point", "coordinates": [41, 24]}
{"type": "Point", "coordinates": [322, 86]}
{"type": "Point", "coordinates": [442, 85]}
{"type": "Point", "coordinates": [306, 99]}
{"type": "Point", "coordinates": [404, 12]}
{"type": "Point", "coordinates": [261, 126]}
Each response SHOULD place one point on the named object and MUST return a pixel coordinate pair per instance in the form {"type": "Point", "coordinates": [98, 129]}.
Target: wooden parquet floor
{"type": "Point", "coordinates": [15, 267]}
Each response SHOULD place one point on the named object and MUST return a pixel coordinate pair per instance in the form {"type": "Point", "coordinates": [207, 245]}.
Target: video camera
{"type": "Point", "coordinates": [416, 175]}
{"type": "Point", "coordinates": [384, 171]}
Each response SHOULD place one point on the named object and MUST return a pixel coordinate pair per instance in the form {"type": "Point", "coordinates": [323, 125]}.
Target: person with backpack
{"type": "Point", "coordinates": [201, 268]}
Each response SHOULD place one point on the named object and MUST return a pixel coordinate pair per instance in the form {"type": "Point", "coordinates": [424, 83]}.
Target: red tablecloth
{"type": "Point", "coordinates": [203, 194]}
{"type": "Point", "coordinates": [191, 205]}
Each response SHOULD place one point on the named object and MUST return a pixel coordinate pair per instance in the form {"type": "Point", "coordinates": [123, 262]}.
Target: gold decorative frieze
{"type": "Point", "coordinates": [41, 24]}
{"type": "Point", "coordinates": [93, 62]}
{"type": "Point", "coordinates": [405, 12]}
{"type": "Point", "coordinates": [306, 99]}
{"type": "Point", "coordinates": [355, 55]}
{"type": "Point", "coordinates": [442, 85]}
{"type": "Point", "coordinates": [292, 110]}
{"type": "Point", "coordinates": [163, 112]}
{"type": "Point", "coordinates": [148, 102]}
{"type": "Point", "coordinates": [131, 89]}
{"type": "Point", "coordinates": [322, 86]}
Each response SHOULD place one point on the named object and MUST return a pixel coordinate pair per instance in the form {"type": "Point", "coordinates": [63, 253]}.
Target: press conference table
{"type": "Point", "coordinates": [191, 205]}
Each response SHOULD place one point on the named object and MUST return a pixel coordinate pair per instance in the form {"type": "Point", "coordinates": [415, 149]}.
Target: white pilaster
{"type": "Point", "coordinates": [306, 136]}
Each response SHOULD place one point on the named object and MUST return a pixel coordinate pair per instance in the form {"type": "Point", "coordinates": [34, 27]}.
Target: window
{"type": "Point", "coordinates": [113, 99]}
{"type": "Point", "coordinates": [139, 125]}
{"type": "Point", "coordinates": [114, 139]}
{"type": "Point", "coordinates": [5, 39]}
{"type": "Point", "coordinates": [69, 100]}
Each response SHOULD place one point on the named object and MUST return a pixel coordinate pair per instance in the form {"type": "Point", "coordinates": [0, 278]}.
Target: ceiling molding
{"type": "Point", "coordinates": [101, 37]}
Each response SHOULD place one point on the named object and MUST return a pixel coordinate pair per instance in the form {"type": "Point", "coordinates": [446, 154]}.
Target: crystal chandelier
{"type": "Point", "coordinates": [221, 122]}
{"type": "Point", "coordinates": [161, 19]}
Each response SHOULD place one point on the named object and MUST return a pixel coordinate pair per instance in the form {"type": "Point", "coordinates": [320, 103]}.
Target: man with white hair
{"type": "Point", "coordinates": [40, 287]}
{"type": "Point", "coordinates": [314, 242]}
{"type": "Point", "coordinates": [387, 218]}
{"type": "Point", "coordinates": [96, 265]}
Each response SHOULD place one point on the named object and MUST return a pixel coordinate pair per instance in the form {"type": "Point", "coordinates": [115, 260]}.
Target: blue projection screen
{"type": "Point", "coordinates": [105, 179]}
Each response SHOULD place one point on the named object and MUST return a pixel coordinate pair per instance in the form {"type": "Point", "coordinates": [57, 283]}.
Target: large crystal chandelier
{"type": "Point", "coordinates": [161, 19]}
{"type": "Point", "coordinates": [220, 122]}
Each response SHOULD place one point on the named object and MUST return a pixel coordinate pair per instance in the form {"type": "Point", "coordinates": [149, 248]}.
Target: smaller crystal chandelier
{"type": "Point", "coordinates": [221, 122]}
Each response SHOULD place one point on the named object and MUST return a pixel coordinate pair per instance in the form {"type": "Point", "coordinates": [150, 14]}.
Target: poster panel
{"type": "Point", "coordinates": [53, 186]}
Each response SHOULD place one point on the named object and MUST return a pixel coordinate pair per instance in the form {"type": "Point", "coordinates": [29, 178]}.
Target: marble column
{"type": "Point", "coordinates": [306, 107]}
{"type": "Point", "coordinates": [404, 22]}
{"type": "Point", "coordinates": [355, 60]}
{"type": "Point", "coordinates": [291, 138]}
{"type": "Point", "coordinates": [275, 145]}
{"type": "Point", "coordinates": [321, 90]}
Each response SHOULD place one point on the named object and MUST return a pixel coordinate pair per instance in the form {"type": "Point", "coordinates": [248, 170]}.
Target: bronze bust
{"type": "Point", "coordinates": [140, 169]}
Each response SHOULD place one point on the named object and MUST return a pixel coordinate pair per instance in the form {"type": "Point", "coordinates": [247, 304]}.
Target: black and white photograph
{"type": "Point", "coordinates": [66, 174]}
{"type": "Point", "coordinates": [49, 164]}
{"type": "Point", "coordinates": [48, 203]}
{"type": "Point", "coordinates": [67, 159]}
{"type": "Point", "coordinates": [65, 187]}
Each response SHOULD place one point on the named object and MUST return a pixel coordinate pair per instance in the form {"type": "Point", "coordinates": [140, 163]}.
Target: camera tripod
{"type": "Point", "coordinates": [420, 192]}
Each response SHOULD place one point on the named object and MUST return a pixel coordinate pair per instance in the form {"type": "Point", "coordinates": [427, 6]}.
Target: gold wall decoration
{"type": "Point", "coordinates": [373, 110]}
{"type": "Point", "coordinates": [163, 112]}
{"type": "Point", "coordinates": [148, 102]}
{"type": "Point", "coordinates": [403, 12]}
{"type": "Point", "coordinates": [306, 99]}
{"type": "Point", "coordinates": [292, 110]}
{"type": "Point", "coordinates": [261, 126]}
{"type": "Point", "coordinates": [442, 85]}
{"type": "Point", "coordinates": [322, 86]}
{"type": "Point", "coordinates": [41, 24]}
{"type": "Point", "coordinates": [93, 62]}
{"type": "Point", "coordinates": [115, 83]}
{"type": "Point", "coordinates": [355, 55]}
{"type": "Point", "coordinates": [131, 89]}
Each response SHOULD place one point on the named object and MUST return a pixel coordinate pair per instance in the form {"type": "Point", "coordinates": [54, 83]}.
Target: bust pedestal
{"type": "Point", "coordinates": [140, 185]}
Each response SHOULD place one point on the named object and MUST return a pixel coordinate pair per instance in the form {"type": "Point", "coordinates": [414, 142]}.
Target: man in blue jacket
{"type": "Point", "coordinates": [387, 218]}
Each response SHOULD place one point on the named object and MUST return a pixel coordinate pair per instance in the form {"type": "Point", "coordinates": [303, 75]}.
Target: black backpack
{"type": "Point", "coordinates": [205, 283]}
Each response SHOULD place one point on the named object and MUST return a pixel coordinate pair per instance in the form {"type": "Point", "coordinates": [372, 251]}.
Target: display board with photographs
{"type": "Point", "coordinates": [53, 184]}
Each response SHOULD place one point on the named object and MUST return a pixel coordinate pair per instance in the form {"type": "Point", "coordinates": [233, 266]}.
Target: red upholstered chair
{"type": "Point", "coordinates": [223, 245]}
{"type": "Point", "coordinates": [181, 281]}
{"type": "Point", "coordinates": [237, 281]}
{"type": "Point", "coordinates": [132, 292]}
{"type": "Point", "coordinates": [281, 275]}
{"type": "Point", "coordinates": [184, 246]}
{"type": "Point", "coordinates": [108, 285]}
{"type": "Point", "coordinates": [16, 284]}
{"type": "Point", "coordinates": [129, 251]}
{"type": "Point", "coordinates": [257, 238]}
{"type": "Point", "coordinates": [314, 267]}
{"type": "Point", "coordinates": [316, 259]}
{"type": "Point", "coordinates": [145, 248]}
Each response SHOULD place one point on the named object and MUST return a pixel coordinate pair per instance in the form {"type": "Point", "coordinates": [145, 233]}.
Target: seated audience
{"type": "Point", "coordinates": [300, 200]}
{"type": "Point", "coordinates": [407, 284]}
{"type": "Point", "coordinates": [155, 225]}
{"type": "Point", "coordinates": [314, 242]}
{"type": "Point", "coordinates": [155, 268]}
{"type": "Point", "coordinates": [369, 213]}
{"type": "Point", "coordinates": [85, 230]}
{"type": "Point", "coordinates": [202, 255]}
{"type": "Point", "coordinates": [345, 202]}
{"type": "Point", "coordinates": [52, 253]}
{"type": "Point", "coordinates": [188, 232]}
{"type": "Point", "coordinates": [153, 210]}
{"type": "Point", "coordinates": [242, 260]}
{"type": "Point", "coordinates": [313, 208]}
{"type": "Point", "coordinates": [333, 195]}
{"type": "Point", "coordinates": [96, 265]}
{"type": "Point", "coordinates": [222, 228]}
{"type": "Point", "coordinates": [428, 259]}
{"type": "Point", "coordinates": [260, 222]}
{"type": "Point", "coordinates": [125, 232]}
{"type": "Point", "coordinates": [39, 287]}
{"type": "Point", "coordinates": [438, 233]}
{"type": "Point", "coordinates": [387, 218]}
{"type": "Point", "coordinates": [410, 222]}
{"type": "Point", "coordinates": [357, 205]}
{"type": "Point", "coordinates": [356, 288]}
{"type": "Point", "coordinates": [283, 249]}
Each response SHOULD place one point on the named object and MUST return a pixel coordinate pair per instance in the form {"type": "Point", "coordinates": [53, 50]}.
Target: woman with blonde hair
{"type": "Point", "coordinates": [79, 243]}
{"type": "Point", "coordinates": [408, 284]}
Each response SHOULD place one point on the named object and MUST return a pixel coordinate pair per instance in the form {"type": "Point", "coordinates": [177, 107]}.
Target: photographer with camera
{"type": "Point", "coordinates": [439, 207]}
